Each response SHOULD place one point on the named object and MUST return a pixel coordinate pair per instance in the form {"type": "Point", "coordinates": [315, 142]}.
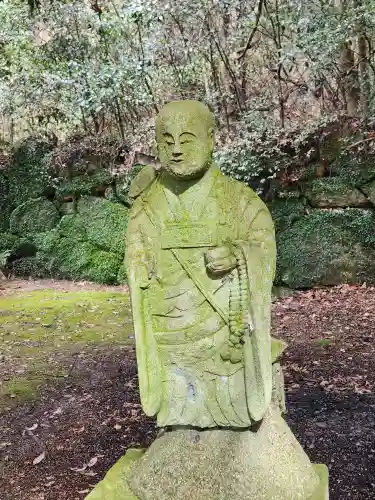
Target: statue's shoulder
{"type": "Point", "coordinates": [236, 189]}
{"type": "Point", "coordinates": [142, 181]}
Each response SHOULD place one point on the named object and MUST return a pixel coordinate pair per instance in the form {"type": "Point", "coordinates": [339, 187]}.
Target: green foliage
{"type": "Point", "coordinates": [27, 175]}
{"type": "Point", "coordinates": [84, 185]}
{"type": "Point", "coordinates": [72, 227]}
{"type": "Point", "coordinates": [122, 278]}
{"type": "Point", "coordinates": [72, 258]}
{"type": "Point", "coordinates": [18, 247]}
{"type": "Point", "coordinates": [45, 242]}
{"type": "Point", "coordinates": [4, 256]}
{"type": "Point", "coordinates": [105, 223]}
{"type": "Point", "coordinates": [8, 241]}
{"type": "Point", "coordinates": [285, 211]}
{"type": "Point", "coordinates": [38, 266]}
{"type": "Point", "coordinates": [4, 203]}
{"type": "Point", "coordinates": [324, 342]}
{"type": "Point", "coordinates": [355, 168]}
{"type": "Point", "coordinates": [327, 247]}
{"type": "Point", "coordinates": [124, 182]}
{"type": "Point", "coordinates": [334, 192]}
{"type": "Point", "coordinates": [103, 267]}
{"type": "Point", "coordinates": [34, 216]}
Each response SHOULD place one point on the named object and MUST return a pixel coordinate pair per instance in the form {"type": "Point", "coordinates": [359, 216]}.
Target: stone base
{"type": "Point", "coordinates": [115, 486]}
{"type": "Point", "coordinates": [322, 492]}
{"type": "Point", "coordinates": [218, 464]}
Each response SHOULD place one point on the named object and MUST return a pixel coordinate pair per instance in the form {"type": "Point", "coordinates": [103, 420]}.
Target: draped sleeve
{"type": "Point", "coordinates": [257, 240]}
{"type": "Point", "coordinates": [138, 268]}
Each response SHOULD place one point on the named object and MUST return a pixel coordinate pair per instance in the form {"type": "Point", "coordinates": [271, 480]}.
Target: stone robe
{"type": "Point", "coordinates": [180, 312]}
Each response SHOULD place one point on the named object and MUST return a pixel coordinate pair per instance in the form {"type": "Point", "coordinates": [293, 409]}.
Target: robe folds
{"type": "Point", "coordinates": [180, 311]}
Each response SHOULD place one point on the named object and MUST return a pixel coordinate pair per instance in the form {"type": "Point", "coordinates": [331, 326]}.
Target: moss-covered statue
{"type": "Point", "coordinates": [201, 261]}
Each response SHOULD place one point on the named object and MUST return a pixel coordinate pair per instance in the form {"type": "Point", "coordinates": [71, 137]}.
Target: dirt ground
{"type": "Point", "coordinates": [60, 445]}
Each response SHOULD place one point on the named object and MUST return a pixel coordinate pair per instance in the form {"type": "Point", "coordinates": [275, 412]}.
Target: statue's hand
{"type": "Point", "coordinates": [220, 260]}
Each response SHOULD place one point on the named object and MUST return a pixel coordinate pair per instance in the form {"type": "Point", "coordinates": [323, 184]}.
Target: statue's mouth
{"type": "Point", "coordinates": [177, 160]}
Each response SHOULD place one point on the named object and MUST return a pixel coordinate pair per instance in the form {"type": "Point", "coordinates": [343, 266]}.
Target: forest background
{"type": "Point", "coordinates": [291, 83]}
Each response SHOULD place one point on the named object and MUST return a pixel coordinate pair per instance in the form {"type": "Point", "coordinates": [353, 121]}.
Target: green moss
{"type": "Point", "coordinates": [18, 247]}
{"type": "Point", "coordinates": [105, 223]}
{"type": "Point", "coordinates": [34, 216]}
{"type": "Point", "coordinates": [5, 208]}
{"type": "Point", "coordinates": [8, 241]}
{"type": "Point", "coordinates": [103, 267]}
{"type": "Point", "coordinates": [20, 388]}
{"type": "Point", "coordinates": [334, 192]}
{"type": "Point", "coordinates": [28, 174]}
{"type": "Point", "coordinates": [85, 184]}
{"type": "Point", "coordinates": [328, 247]}
{"type": "Point", "coordinates": [354, 169]}
{"type": "Point", "coordinates": [285, 211]}
{"type": "Point", "coordinates": [324, 342]}
{"type": "Point", "coordinates": [122, 277]}
{"type": "Point", "coordinates": [72, 227]}
{"type": "Point", "coordinates": [124, 183]}
{"type": "Point", "coordinates": [37, 266]}
{"type": "Point", "coordinates": [67, 208]}
{"type": "Point", "coordinates": [72, 258]}
{"type": "Point", "coordinates": [45, 242]}
{"type": "Point", "coordinates": [44, 327]}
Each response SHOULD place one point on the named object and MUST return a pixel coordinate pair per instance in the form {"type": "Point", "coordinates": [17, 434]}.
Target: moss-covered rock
{"type": "Point", "coordinates": [72, 258]}
{"type": "Point", "coordinates": [105, 223]}
{"type": "Point", "coordinates": [29, 176]}
{"type": "Point", "coordinates": [286, 210]}
{"type": "Point", "coordinates": [353, 168]}
{"type": "Point", "coordinates": [18, 247]}
{"type": "Point", "coordinates": [72, 227]}
{"type": "Point", "coordinates": [327, 247]}
{"type": "Point", "coordinates": [8, 241]}
{"type": "Point", "coordinates": [85, 184]}
{"type": "Point", "coordinates": [34, 216]}
{"type": "Point", "coordinates": [369, 190]}
{"type": "Point", "coordinates": [45, 242]}
{"type": "Point", "coordinates": [333, 192]}
{"type": "Point", "coordinates": [67, 208]}
{"type": "Point", "coordinates": [37, 267]}
{"type": "Point", "coordinates": [103, 267]}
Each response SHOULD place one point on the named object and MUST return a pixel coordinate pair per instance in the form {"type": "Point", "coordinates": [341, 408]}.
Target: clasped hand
{"type": "Point", "coordinates": [220, 260]}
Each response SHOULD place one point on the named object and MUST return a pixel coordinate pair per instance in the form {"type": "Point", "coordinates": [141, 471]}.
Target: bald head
{"type": "Point", "coordinates": [184, 133]}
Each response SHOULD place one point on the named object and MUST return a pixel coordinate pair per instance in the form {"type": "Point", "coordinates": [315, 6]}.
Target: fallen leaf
{"type": "Point", "coordinates": [32, 428]}
{"type": "Point", "coordinates": [39, 458]}
{"type": "Point", "coordinates": [92, 462]}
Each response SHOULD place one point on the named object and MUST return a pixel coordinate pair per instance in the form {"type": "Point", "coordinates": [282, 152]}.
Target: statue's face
{"type": "Point", "coordinates": [185, 146]}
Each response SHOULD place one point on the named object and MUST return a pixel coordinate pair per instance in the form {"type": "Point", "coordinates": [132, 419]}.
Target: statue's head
{"type": "Point", "coordinates": [184, 134]}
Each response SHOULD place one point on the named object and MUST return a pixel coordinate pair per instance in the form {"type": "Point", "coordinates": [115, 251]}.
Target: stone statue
{"type": "Point", "coordinates": [201, 260]}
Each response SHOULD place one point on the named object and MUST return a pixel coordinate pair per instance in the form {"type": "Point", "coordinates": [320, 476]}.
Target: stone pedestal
{"type": "Point", "coordinates": [218, 464]}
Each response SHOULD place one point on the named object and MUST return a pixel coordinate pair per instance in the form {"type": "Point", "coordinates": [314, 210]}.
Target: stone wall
{"type": "Point", "coordinates": [325, 232]}
{"type": "Point", "coordinates": [64, 222]}
{"type": "Point", "coordinates": [66, 218]}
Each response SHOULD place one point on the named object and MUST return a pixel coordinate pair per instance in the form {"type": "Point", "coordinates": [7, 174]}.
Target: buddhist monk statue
{"type": "Point", "coordinates": [201, 260]}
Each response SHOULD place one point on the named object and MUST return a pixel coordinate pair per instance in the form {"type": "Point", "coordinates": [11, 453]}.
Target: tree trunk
{"type": "Point", "coordinates": [348, 82]}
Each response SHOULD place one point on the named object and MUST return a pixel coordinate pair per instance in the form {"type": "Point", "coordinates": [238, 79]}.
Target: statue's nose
{"type": "Point", "coordinates": [177, 149]}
